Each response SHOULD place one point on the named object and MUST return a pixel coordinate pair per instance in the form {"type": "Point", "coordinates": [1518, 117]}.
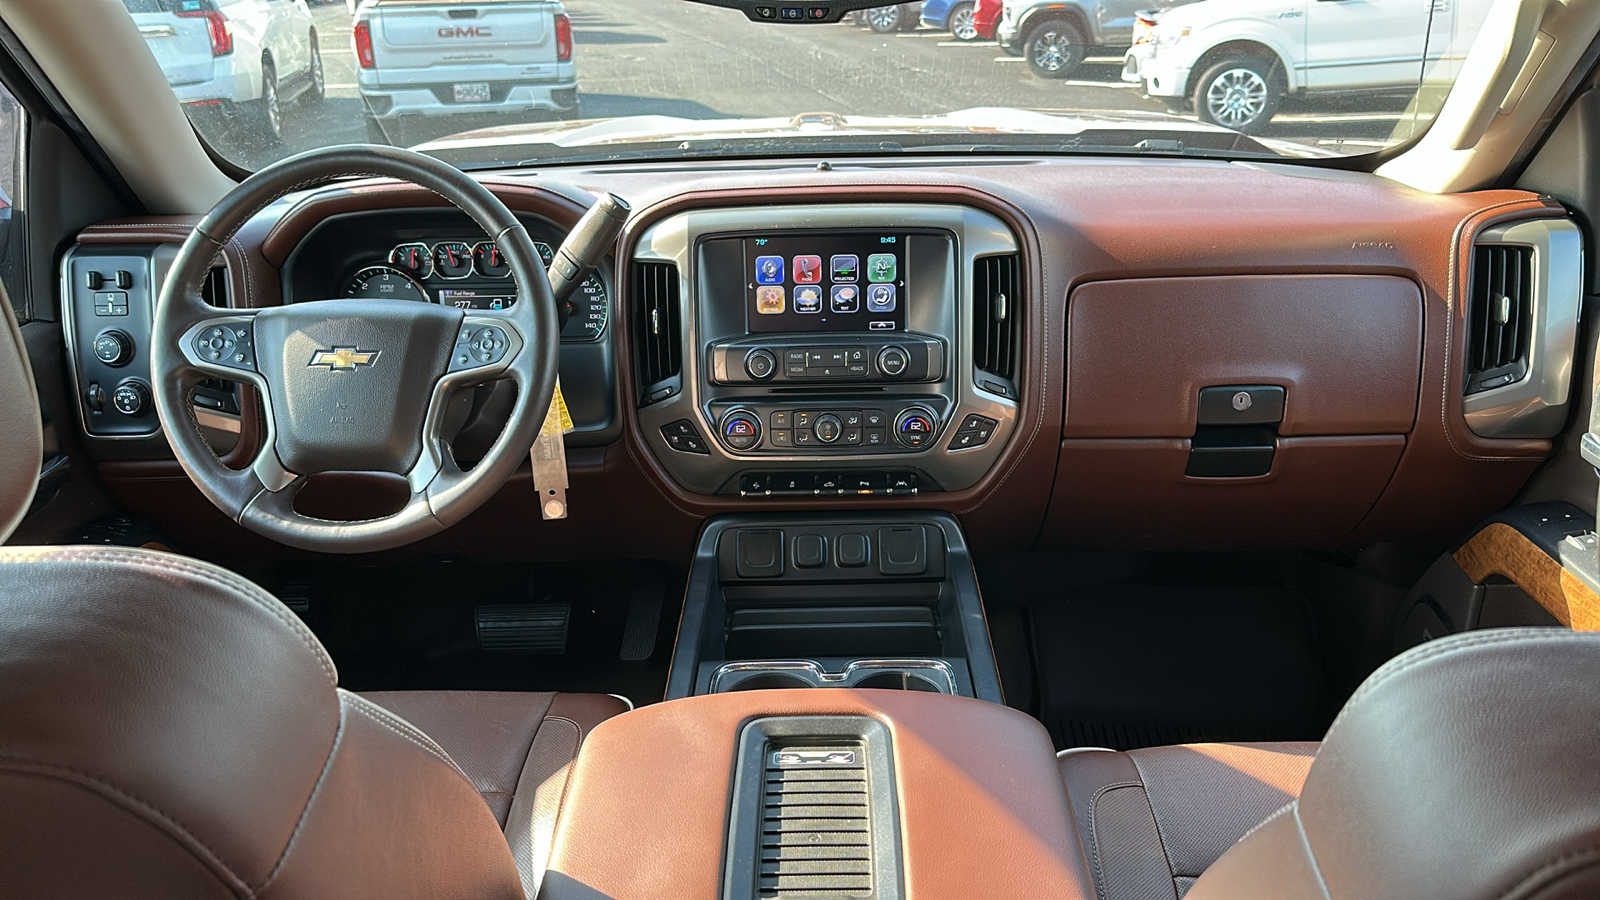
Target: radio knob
{"type": "Point", "coordinates": [892, 361]}
{"type": "Point", "coordinates": [114, 348]}
{"type": "Point", "coordinates": [740, 429]}
{"type": "Point", "coordinates": [760, 364]}
{"type": "Point", "coordinates": [915, 426]}
{"type": "Point", "coordinates": [827, 428]}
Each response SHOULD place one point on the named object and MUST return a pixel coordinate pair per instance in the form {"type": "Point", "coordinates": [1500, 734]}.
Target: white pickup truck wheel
{"type": "Point", "coordinates": [1241, 93]}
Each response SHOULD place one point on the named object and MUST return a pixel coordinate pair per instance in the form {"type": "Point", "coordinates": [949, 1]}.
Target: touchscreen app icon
{"type": "Point", "coordinates": [880, 298]}
{"type": "Point", "coordinates": [881, 267]}
{"type": "Point", "coordinates": [769, 300]}
{"type": "Point", "coordinates": [846, 298]}
{"type": "Point", "coordinates": [769, 270]}
{"type": "Point", "coordinates": [845, 267]}
{"type": "Point", "coordinates": [807, 269]}
{"type": "Point", "coordinates": [808, 299]}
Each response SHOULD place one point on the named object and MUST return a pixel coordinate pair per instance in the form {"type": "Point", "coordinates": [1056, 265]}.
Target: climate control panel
{"type": "Point", "coordinates": [821, 429]}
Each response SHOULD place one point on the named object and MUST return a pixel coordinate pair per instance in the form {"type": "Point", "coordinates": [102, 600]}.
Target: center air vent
{"type": "Point", "coordinates": [1499, 316]}
{"type": "Point", "coordinates": [816, 837]}
{"type": "Point", "coordinates": [994, 315]}
{"type": "Point", "coordinates": [657, 331]}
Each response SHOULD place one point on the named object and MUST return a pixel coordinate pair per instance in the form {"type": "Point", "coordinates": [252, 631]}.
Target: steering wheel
{"type": "Point", "coordinates": [353, 385]}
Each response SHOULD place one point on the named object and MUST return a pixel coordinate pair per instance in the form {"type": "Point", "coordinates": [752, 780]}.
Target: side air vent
{"type": "Point", "coordinates": [1523, 294]}
{"type": "Point", "coordinates": [658, 336]}
{"type": "Point", "coordinates": [816, 838]}
{"type": "Point", "coordinates": [1499, 316]}
{"type": "Point", "coordinates": [215, 290]}
{"type": "Point", "coordinates": [994, 316]}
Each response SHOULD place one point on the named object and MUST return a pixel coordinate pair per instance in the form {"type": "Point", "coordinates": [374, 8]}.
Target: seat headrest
{"type": "Point", "coordinates": [1467, 768]}
{"type": "Point", "coordinates": [167, 728]}
{"type": "Point", "coordinates": [21, 438]}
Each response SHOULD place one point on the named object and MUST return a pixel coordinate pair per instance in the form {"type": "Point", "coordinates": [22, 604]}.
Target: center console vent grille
{"type": "Point", "coordinates": [658, 336]}
{"type": "Point", "coordinates": [994, 315]}
{"type": "Point", "coordinates": [214, 291]}
{"type": "Point", "coordinates": [1499, 315]}
{"type": "Point", "coordinates": [816, 837]}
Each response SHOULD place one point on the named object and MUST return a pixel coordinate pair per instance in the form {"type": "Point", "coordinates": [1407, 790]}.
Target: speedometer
{"type": "Point", "coordinates": [384, 283]}
{"type": "Point", "coordinates": [587, 311]}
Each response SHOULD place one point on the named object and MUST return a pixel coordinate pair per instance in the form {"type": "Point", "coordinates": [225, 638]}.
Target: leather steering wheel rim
{"type": "Point", "coordinates": [424, 346]}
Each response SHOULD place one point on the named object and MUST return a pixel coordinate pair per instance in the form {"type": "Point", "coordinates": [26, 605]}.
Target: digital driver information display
{"type": "Point", "coordinates": [826, 282]}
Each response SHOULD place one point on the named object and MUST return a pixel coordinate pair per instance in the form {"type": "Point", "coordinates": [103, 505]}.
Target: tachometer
{"type": "Point", "coordinates": [384, 283]}
{"type": "Point", "coordinates": [452, 259]}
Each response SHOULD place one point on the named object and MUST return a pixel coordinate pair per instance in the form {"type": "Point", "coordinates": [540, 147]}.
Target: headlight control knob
{"type": "Point", "coordinates": [131, 398]}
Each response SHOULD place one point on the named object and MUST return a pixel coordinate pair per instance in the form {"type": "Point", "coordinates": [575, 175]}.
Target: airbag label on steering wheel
{"type": "Point", "coordinates": [549, 458]}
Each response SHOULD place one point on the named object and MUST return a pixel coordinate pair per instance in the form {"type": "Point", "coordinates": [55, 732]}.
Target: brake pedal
{"type": "Point", "coordinates": [524, 627]}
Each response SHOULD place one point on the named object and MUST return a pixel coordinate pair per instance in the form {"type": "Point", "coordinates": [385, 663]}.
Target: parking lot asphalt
{"type": "Point", "coordinates": [669, 57]}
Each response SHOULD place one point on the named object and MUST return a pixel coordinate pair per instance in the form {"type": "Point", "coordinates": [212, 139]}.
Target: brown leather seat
{"type": "Point", "coordinates": [1152, 820]}
{"type": "Point", "coordinates": [168, 729]}
{"type": "Point", "coordinates": [1467, 768]}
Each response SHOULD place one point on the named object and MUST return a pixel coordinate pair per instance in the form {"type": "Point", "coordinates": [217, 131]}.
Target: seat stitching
{"type": "Point", "coordinates": [149, 560]}
{"type": "Point", "coordinates": [311, 800]}
{"type": "Point", "coordinates": [136, 804]}
{"type": "Point", "coordinates": [1094, 833]}
{"type": "Point", "coordinates": [1551, 868]}
{"type": "Point", "coordinates": [1160, 832]}
{"type": "Point", "coordinates": [381, 717]}
{"type": "Point", "coordinates": [1311, 855]}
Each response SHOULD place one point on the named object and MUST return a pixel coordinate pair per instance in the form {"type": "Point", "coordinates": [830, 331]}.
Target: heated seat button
{"type": "Point", "coordinates": [902, 550]}
{"type": "Point", "coordinates": [760, 553]}
{"type": "Point", "coordinates": [810, 551]}
{"type": "Point", "coordinates": [851, 550]}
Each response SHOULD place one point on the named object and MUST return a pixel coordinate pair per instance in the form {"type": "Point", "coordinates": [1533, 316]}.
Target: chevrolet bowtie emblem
{"type": "Point", "coordinates": [342, 359]}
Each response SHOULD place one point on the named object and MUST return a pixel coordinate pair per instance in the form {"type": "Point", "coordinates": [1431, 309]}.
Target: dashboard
{"type": "Point", "coordinates": [1036, 346]}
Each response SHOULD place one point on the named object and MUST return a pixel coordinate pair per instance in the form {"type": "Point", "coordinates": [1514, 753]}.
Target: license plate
{"type": "Point", "coordinates": [472, 92]}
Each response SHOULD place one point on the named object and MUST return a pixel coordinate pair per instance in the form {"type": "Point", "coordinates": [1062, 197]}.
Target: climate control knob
{"type": "Point", "coordinates": [892, 361]}
{"type": "Point", "coordinates": [740, 429]}
{"type": "Point", "coordinates": [760, 364]}
{"type": "Point", "coordinates": [131, 398]}
{"type": "Point", "coordinates": [915, 427]}
{"type": "Point", "coordinates": [114, 348]}
{"type": "Point", "coordinates": [827, 428]}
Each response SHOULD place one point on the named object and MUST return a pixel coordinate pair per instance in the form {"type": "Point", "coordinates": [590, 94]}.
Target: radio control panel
{"type": "Point", "coordinates": [832, 359]}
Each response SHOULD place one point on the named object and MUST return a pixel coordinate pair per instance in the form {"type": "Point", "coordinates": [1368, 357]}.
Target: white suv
{"type": "Point", "coordinates": [241, 57]}
{"type": "Point", "coordinates": [1235, 60]}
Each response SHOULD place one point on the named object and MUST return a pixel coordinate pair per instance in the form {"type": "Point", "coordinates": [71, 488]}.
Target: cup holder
{"type": "Point", "coordinates": [927, 675]}
{"type": "Point", "coordinates": [898, 681]}
{"type": "Point", "coordinates": [770, 681]}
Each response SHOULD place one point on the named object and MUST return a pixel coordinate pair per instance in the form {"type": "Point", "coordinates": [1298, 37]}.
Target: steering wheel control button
{"type": "Point", "coordinates": [741, 429]}
{"type": "Point", "coordinates": [892, 361]}
{"type": "Point", "coordinates": [227, 345]}
{"type": "Point", "coordinates": [131, 398]}
{"type": "Point", "coordinates": [975, 431]}
{"type": "Point", "coordinates": [683, 437]}
{"type": "Point", "coordinates": [760, 364]}
{"type": "Point", "coordinates": [114, 348]}
{"type": "Point", "coordinates": [483, 345]}
{"type": "Point", "coordinates": [828, 428]}
{"type": "Point", "coordinates": [915, 427]}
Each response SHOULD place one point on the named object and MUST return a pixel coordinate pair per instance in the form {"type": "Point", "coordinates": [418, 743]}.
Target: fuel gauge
{"type": "Point", "coordinates": [413, 259]}
{"type": "Point", "coordinates": [452, 259]}
{"type": "Point", "coordinates": [489, 261]}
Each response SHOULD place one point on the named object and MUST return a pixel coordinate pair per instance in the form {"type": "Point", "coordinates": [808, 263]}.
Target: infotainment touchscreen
{"type": "Point", "coordinates": [826, 281]}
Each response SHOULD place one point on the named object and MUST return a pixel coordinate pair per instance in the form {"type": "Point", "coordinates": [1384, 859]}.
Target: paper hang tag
{"type": "Point", "coordinates": [549, 458]}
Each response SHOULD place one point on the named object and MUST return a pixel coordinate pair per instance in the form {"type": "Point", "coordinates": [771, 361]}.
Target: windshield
{"type": "Point", "coordinates": [507, 82]}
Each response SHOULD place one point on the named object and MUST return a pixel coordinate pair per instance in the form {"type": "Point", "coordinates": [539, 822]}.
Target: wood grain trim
{"type": "Point", "coordinates": [1505, 551]}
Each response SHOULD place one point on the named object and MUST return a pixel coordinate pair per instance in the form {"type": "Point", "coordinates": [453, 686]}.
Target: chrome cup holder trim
{"type": "Point", "coordinates": [936, 671]}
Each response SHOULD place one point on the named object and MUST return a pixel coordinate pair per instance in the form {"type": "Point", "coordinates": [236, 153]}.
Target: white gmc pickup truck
{"type": "Point", "coordinates": [434, 58]}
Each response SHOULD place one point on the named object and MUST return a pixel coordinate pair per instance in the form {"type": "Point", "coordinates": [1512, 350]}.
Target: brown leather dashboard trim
{"type": "Point", "coordinates": [995, 516]}
{"type": "Point", "coordinates": [1502, 550]}
{"type": "Point", "coordinates": [983, 811]}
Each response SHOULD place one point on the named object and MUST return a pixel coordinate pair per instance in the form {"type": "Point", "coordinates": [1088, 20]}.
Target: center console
{"type": "Point", "coordinates": [828, 351]}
